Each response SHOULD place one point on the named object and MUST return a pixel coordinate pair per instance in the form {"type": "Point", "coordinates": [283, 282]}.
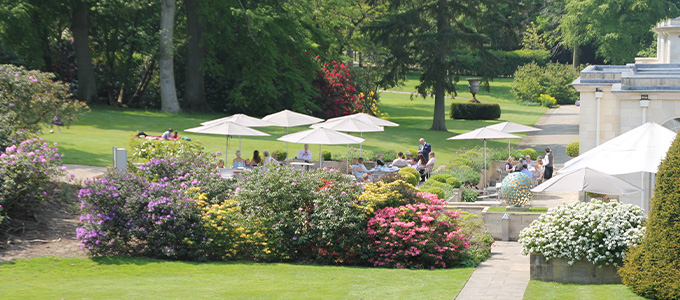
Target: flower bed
{"type": "Point", "coordinates": [597, 231]}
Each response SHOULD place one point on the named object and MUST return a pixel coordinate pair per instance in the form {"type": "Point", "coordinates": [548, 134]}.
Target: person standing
{"type": "Point", "coordinates": [424, 148]}
{"type": "Point", "coordinates": [549, 164]}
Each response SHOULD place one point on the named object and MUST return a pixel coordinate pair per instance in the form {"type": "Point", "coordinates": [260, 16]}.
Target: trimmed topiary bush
{"type": "Point", "coordinates": [409, 170]}
{"type": "Point", "coordinates": [572, 149]}
{"type": "Point", "coordinates": [434, 190]}
{"type": "Point", "coordinates": [523, 152]}
{"type": "Point", "coordinates": [475, 111]}
{"type": "Point", "coordinates": [453, 182]}
{"type": "Point", "coordinates": [652, 269]}
{"type": "Point", "coordinates": [279, 155]}
{"type": "Point", "coordinates": [326, 155]}
{"type": "Point", "coordinates": [440, 177]}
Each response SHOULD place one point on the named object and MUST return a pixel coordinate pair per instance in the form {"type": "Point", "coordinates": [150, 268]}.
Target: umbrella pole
{"type": "Point", "coordinates": [320, 157]}
{"type": "Point", "coordinates": [286, 145]}
{"type": "Point", "coordinates": [361, 145]}
{"type": "Point", "coordinates": [347, 161]}
{"type": "Point", "coordinates": [508, 147]}
{"type": "Point", "coordinates": [484, 164]}
{"type": "Point", "coordinates": [226, 153]}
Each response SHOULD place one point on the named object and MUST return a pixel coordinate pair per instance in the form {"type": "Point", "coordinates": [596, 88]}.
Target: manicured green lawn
{"type": "Point", "coordinates": [504, 209]}
{"type": "Point", "coordinates": [90, 139]}
{"type": "Point", "coordinates": [539, 290]}
{"type": "Point", "coordinates": [138, 278]}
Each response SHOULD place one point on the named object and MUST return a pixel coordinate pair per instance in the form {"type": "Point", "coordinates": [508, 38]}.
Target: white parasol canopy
{"type": "Point", "coordinates": [227, 129]}
{"type": "Point", "coordinates": [589, 180]}
{"type": "Point", "coordinates": [321, 136]}
{"type": "Point", "coordinates": [484, 134]}
{"type": "Point", "coordinates": [639, 150]}
{"type": "Point", "coordinates": [287, 118]}
{"type": "Point", "coordinates": [368, 119]}
{"type": "Point", "coordinates": [512, 127]}
{"type": "Point", "coordinates": [241, 119]}
{"type": "Point", "coordinates": [349, 125]}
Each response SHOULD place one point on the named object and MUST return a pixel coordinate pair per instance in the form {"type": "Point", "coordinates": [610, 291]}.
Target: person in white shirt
{"type": "Point", "coordinates": [400, 161]}
{"type": "Point", "coordinates": [529, 163]}
{"type": "Point", "coordinates": [268, 159]}
{"type": "Point", "coordinates": [166, 135]}
{"type": "Point", "coordinates": [305, 154]}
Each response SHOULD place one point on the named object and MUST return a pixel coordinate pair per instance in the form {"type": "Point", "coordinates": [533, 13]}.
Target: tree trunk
{"type": "Point", "coordinates": [576, 58]}
{"type": "Point", "coordinates": [194, 83]}
{"type": "Point", "coordinates": [439, 119]}
{"type": "Point", "coordinates": [169, 101]}
{"type": "Point", "coordinates": [87, 87]}
{"type": "Point", "coordinates": [141, 86]}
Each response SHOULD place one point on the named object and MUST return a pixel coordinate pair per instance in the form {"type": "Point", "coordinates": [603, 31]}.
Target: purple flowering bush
{"type": "Point", "coordinates": [420, 235]}
{"type": "Point", "coordinates": [26, 170]}
{"type": "Point", "coordinates": [309, 215]}
{"type": "Point", "coordinates": [124, 214]}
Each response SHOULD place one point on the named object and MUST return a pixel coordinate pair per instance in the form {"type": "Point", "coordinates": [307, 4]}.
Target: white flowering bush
{"type": "Point", "coordinates": [598, 231]}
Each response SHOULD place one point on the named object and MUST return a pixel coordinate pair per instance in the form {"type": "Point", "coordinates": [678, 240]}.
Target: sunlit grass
{"type": "Point", "coordinates": [140, 278]}
{"type": "Point", "coordinates": [89, 140]}
{"type": "Point", "coordinates": [539, 290]}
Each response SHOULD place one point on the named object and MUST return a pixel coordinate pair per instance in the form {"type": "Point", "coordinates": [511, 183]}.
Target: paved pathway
{"type": "Point", "coordinates": [82, 172]}
{"type": "Point", "coordinates": [506, 274]}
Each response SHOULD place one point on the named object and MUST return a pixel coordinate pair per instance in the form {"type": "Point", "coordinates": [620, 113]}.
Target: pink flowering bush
{"type": "Point", "coordinates": [338, 95]}
{"type": "Point", "coordinates": [25, 170]}
{"type": "Point", "coordinates": [420, 235]}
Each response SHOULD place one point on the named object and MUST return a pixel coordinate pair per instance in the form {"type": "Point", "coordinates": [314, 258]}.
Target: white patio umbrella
{"type": "Point", "coordinates": [484, 134]}
{"type": "Point", "coordinates": [240, 119]}
{"type": "Point", "coordinates": [227, 129]}
{"type": "Point", "coordinates": [287, 118]}
{"type": "Point", "coordinates": [321, 136]}
{"type": "Point", "coordinates": [512, 127]}
{"type": "Point", "coordinates": [589, 180]}
{"type": "Point", "coordinates": [349, 125]}
{"type": "Point", "coordinates": [366, 118]}
{"type": "Point", "coordinates": [642, 149]}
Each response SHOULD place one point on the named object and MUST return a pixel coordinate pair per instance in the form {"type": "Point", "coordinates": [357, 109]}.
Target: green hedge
{"type": "Point", "coordinates": [573, 149]}
{"type": "Point", "coordinates": [475, 111]}
{"type": "Point", "coordinates": [515, 59]}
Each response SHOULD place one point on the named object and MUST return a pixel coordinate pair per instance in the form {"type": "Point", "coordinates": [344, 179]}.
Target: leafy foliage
{"type": "Point", "coordinates": [29, 100]}
{"type": "Point", "coordinates": [338, 95]}
{"type": "Point", "coordinates": [554, 79]}
{"type": "Point", "coordinates": [652, 268]}
{"type": "Point", "coordinates": [511, 60]}
{"type": "Point", "coordinates": [573, 149]}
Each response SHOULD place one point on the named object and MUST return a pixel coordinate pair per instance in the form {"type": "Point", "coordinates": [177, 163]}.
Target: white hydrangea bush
{"type": "Point", "coordinates": [598, 231]}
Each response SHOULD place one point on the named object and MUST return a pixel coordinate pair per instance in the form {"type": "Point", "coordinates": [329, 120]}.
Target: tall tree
{"type": "Point", "coordinates": [169, 101]}
{"type": "Point", "coordinates": [194, 82]}
{"type": "Point", "coordinates": [87, 86]}
{"type": "Point", "coordinates": [432, 34]}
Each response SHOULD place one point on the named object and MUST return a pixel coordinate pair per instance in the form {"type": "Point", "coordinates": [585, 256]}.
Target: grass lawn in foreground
{"type": "Point", "coordinates": [139, 278]}
{"type": "Point", "coordinates": [539, 290]}
{"type": "Point", "coordinates": [90, 139]}
{"type": "Point", "coordinates": [531, 209]}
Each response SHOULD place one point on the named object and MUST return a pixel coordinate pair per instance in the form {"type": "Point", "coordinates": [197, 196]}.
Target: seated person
{"type": "Point", "coordinates": [428, 167]}
{"type": "Point", "coordinates": [413, 163]}
{"type": "Point", "coordinates": [529, 162]}
{"type": "Point", "coordinates": [518, 167]}
{"type": "Point", "coordinates": [166, 135]}
{"type": "Point", "coordinates": [268, 159]}
{"type": "Point", "coordinates": [379, 161]}
{"type": "Point", "coordinates": [508, 164]}
{"type": "Point", "coordinates": [305, 154]}
{"type": "Point", "coordinates": [408, 155]}
{"type": "Point", "coordinates": [356, 170]}
{"type": "Point", "coordinates": [247, 163]}
{"type": "Point", "coordinates": [400, 161]}
{"type": "Point", "coordinates": [220, 164]}
{"type": "Point", "coordinates": [526, 171]}
{"type": "Point", "coordinates": [422, 165]}
{"type": "Point", "coordinates": [366, 178]}
{"type": "Point", "coordinates": [238, 161]}
{"type": "Point", "coordinates": [256, 160]}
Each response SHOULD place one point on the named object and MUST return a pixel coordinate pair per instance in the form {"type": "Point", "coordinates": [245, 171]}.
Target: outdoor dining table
{"type": "Point", "coordinates": [379, 172]}
{"type": "Point", "coordinates": [305, 165]}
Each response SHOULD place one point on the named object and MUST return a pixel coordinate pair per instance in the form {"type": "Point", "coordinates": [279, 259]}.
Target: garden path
{"type": "Point", "coordinates": [84, 172]}
{"type": "Point", "coordinates": [505, 275]}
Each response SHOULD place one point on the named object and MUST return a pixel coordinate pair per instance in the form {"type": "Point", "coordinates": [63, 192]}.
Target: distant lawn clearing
{"type": "Point", "coordinates": [539, 290]}
{"type": "Point", "coordinates": [90, 139]}
{"type": "Point", "coordinates": [139, 278]}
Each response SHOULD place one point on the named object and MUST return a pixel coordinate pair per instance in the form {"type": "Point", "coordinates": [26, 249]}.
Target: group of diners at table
{"type": "Point", "coordinates": [541, 169]}
{"type": "Point", "coordinates": [423, 162]}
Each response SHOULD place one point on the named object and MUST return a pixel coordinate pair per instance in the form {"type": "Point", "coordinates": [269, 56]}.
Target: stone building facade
{"type": "Point", "coordinates": [616, 99]}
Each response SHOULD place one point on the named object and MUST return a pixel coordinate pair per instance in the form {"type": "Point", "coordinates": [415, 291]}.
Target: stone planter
{"type": "Point", "coordinates": [582, 271]}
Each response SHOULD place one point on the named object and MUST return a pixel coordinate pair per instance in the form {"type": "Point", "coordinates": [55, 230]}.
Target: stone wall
{"type": "Point", "coordinates": [518, 221]}
{"type": "Point", "coordinates": [582, 271]}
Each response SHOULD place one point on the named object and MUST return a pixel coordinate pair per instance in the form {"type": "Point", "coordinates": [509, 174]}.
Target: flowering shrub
{"type": "Point", "coordinates": [597, 231]}
{"type": "Point", "coordinates": [124, 214]}
{"type": "Point", "coordinates": [337, 92]}
{"type": "Point", "coordinates": [30, 99]}
{"type": "Point", "coordinates": [546, 100]}
{"type": "Point", "coordinates": [309, 215]}
{"type": "Point", "coordinates": [145, 149]}
{"type": "Point", "coordinates": [393, 194]}
{"type": "Point", "coordinates": [416, 235]}
{"type": "Point", "coordinates": [26, 169]}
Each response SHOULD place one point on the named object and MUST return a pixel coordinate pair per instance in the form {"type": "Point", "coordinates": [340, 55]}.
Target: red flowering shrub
{"type": "Point", "coordinates": [420, 235]}
{"type": "Point", "coordinates": [338, 95]}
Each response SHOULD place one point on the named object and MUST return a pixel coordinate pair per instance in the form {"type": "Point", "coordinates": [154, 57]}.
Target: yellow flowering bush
{"type": "Point", "coordinates": [380, 195]}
